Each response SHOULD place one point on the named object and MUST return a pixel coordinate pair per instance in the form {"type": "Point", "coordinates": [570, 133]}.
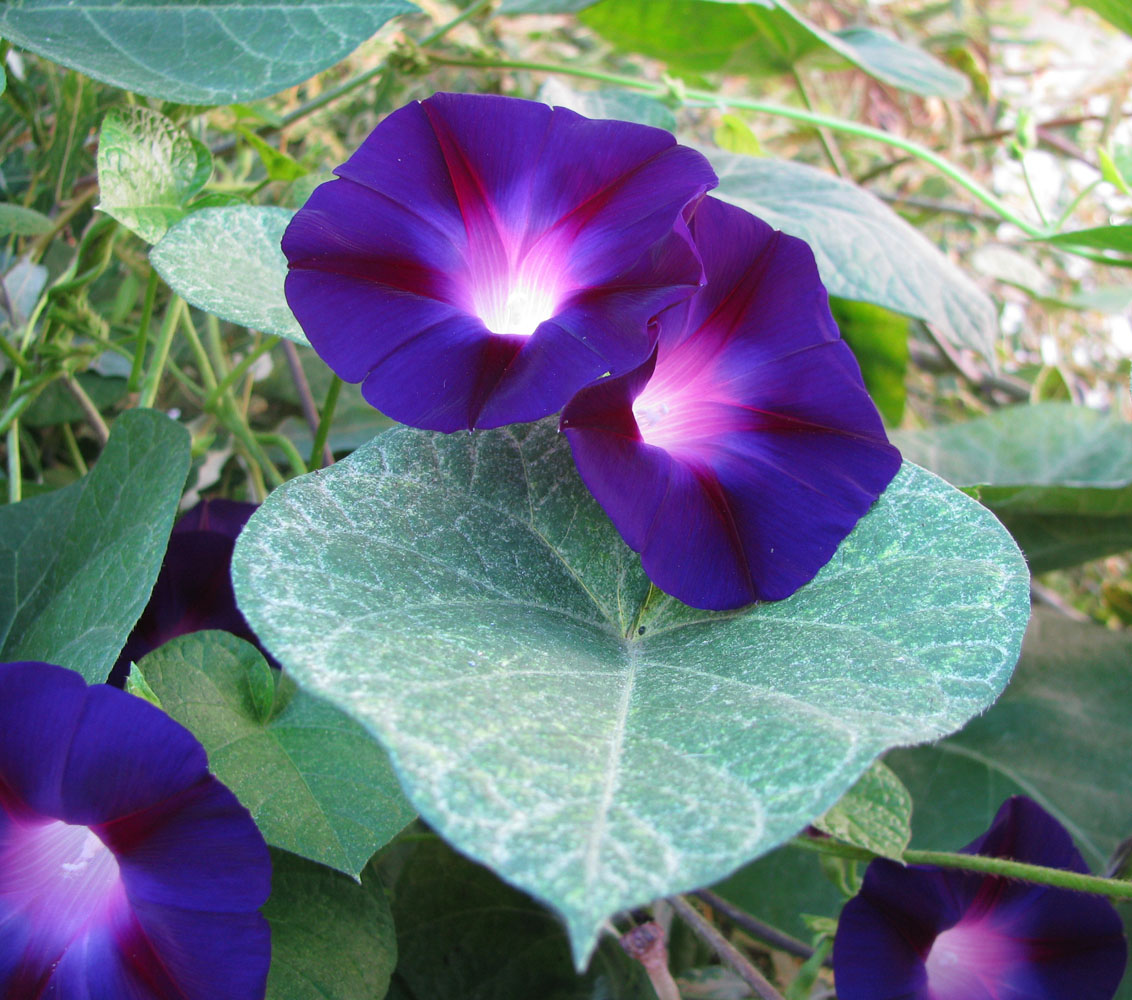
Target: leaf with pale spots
{"type": "Point", "coordinates": [593, 741]}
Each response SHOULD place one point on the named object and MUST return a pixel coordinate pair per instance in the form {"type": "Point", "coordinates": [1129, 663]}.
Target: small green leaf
{"type": "Point", "coordinates": [148, 170]}
{"type": "Point", "coordinates": [227, 261]}
{"type": "Point", "coordinates": [466, 599]}
{"type": "Point", "coordinates": [77, 565]}
{"type": "Point", "coordinates": [279, 166]}
{"type": "Point", "coordinates": [1112, 173]}
{"type": "Point", "coordinates": [314, 780]}
{"type": "Point", "coordinates": [15, 220]}
{"type": "Point", "coordinates": [879, 340]}
{"type": "Point", "coordinates": [1117, 238]}
{"type": "Point", "coordinates": [876, 813]}
{"type": "Point", "coordinates": [462, 933]}
{"type": "Point", "coordinates": [735, 136]}
{"type": "Point", "coordinates": [196, 53]}
{"type": "Point", "coordinates": [864, 250]}
{"type": "Point", "coordinates": [1059, 734]}
{"type": "Point", "coordinates": [331, 939]}
{"type": "Point", "coordinates": [1059, 476]}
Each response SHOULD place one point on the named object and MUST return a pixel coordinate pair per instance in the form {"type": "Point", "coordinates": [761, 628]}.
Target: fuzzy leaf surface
{"type": "Point", "coordinates": [467, 600]}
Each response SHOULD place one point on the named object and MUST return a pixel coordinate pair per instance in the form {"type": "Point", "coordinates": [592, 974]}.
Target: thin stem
{"type": "Point", "coordinates": [319, 446]}
{"type": "Point", "coordinates": [72, 444]}
{"type": "Point", "coordinates": [238, 372]}
{"type": "Point", "coordinates": [755, 927]}
{"type": "Point", "coordinates": [1038, 874]}
{"type": "Point", "coordinates": [208, 376]}
{"type": "Point", "coordinates": [90, 411]}
{"type": "Point", "coordinates": [161, 353]}
{"type": "Point", "coordinates": [1064, 217]}
{"type": "Point", "coordinates": [143, 332]}
{"type": "Point", "coordinates": [303, 388]}
{"type": "Point", "coordinates": [728, 953]}
{"type": "Point", "coordinates": [15, 473]}
{"type": "Point", "coordinates": [285, 445]}
{"type": "Point", "coordinates": [829, 144]}
{"type": "Point", "coordinates": [1032, 193]}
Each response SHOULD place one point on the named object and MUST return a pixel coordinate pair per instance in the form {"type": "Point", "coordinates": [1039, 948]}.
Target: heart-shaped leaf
{"type": "Point", "coordinates": [593, 741]}
{"type": "Point", "coordinates": [78, 565]}
{"type": "Point", "coordinates": [314, 780]}
{"type": "Point", "coordinates": [876, 813]}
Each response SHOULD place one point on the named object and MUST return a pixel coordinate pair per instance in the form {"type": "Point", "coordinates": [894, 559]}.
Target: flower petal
{"type": "Point", "coordinates": [773, 448]}
{"type": "Point", "coordinates": [481, 258]}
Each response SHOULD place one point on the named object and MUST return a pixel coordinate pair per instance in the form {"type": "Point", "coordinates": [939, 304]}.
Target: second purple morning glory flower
{"type": "Point", "coordinates": [925, 933]}
{"type": "Point", "coordinates": [739, 456]}
{"type": "Point", "coordinates": [480, 258]}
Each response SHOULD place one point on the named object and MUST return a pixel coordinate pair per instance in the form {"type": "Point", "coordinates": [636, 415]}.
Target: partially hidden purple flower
{"type": "Point", "coordinates": [926, 933]}
{"type": "Point", "coordinates": [740, 455]}
{"type": "Point", "coordinates": [127, 872]}
{"type": "Point", "coordinates": [194, 588]}
{"type": "Point", "coordinates": [480, 258]}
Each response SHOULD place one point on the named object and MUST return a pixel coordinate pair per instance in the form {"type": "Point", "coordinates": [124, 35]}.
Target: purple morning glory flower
{"type": "Point", "coordinates": [480, 258]}
{"type": "Point", "coordinates": [925, 933]}
{"type": "Point", "coordinates": [737, 458]}
{"type": "Point", "coordinates": [127, 872]}
{"type": "Point", "coordinates": [194, 588]}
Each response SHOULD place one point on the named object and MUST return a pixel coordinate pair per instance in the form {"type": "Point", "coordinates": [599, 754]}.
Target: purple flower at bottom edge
{"type": "Point", "coordinates": [194, 587]}
{"type": "Point", "coordinates": [741, 454]}
{"type": "Point", "coordinates": [481, 258]}
{"type": "Point", "coordinates": [127, 872]}
{"type": "Point", "coordinates": [925, 933]}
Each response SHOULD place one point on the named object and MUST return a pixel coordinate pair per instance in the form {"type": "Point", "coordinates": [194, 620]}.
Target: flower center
{"type": "Point", "coordinates": [967, 961]}
{"type": "Point", "coordinates": [517, 309]}
{"type": "Point", "coordinates": [61, 875]}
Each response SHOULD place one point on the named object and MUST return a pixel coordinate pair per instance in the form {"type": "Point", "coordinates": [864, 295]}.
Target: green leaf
{"type": "Point", "coordinates": [1059, 476]}
{"type": "Point", "coordinates": [747, 38]}
{"type": "Point", "coordinates": [148, 170]}
{"type": "Point", "coordinates": [279, 166]}
{"type": "Point", "coordinates": [314, 780]}
{"type": "Point", "coordinates": [1111, 172]}
{"type": "Point", "coordinates": [892, 61]}
{"type": "Point", "coordinates": [879, 340]}
{"type": "Point", "coordinates": [331, 939]}
{"type": "Point", "coordinates": [876, 813]}
{"type": "Point", "coordinates": [864, 250]}
{"type": "Point", "coordinates": [77, 565]}
{"type": "Point", "coordinates": [623, 105]}
{"type": "Point", "coordinates": [15, 220]}
{"type": "Point", "coordinates": [227, 261]}
{"type": "Point", "coordinates": [735, 135]}
{"type": "Point", "coordinates": [462, 934]}
{"type": "Point", "coordinates": [1116, 12]}
{"type": "Point", "coordinates": [467, 599]}
{"type": "Point", "coordinates": [196, 53]}
{"type": "Point", "coordinates": [1059, 734]}
{"type": "Point", "coordinates": [1117, 238]}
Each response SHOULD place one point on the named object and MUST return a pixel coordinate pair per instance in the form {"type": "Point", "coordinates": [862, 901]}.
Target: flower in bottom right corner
{"type": "Point", "coordinates": [926, 933]}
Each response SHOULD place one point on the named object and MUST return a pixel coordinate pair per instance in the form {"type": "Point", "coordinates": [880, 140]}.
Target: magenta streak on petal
{"type": "Point", "coordinates": [62, 878]}
{"type": "Point", "coordinates": [970, 960]}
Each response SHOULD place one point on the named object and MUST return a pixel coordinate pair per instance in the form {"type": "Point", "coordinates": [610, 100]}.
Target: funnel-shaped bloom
{"type": "Point", "coordinates": [925, 933]}
{"type": "Point", "coordinates": [479, 259]}
{"type": "Point", "coordinates": [740, 455]}
{"type": "Point", "coordinates": [127, 872]}
{"type": "Point", "coordinates": [194, 588]}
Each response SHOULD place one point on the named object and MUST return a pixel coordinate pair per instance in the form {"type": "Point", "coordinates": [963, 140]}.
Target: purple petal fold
{"type": "Point", "coordinates": [127, 871]}
{"type": "Point", "coordinates": [481, 258]}
{"type": "Point", "coordinates": [193, 591]}
{"type": "Point", "coordinates": [739, 457]}
{"type": "Point", "coordinates": [925, 933]}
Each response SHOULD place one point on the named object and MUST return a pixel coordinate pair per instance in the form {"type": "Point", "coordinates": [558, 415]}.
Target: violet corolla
{"type": "Point", "coordinates": [480, 258]}
{"type": "Point", "coordinates": [926, 933]}
{"type": "Point", "coordinates": [194, 588]}
{"type": "Point", "coordinates": [740, 455]}
{"type": "Point", "coordinates": [127, 872]}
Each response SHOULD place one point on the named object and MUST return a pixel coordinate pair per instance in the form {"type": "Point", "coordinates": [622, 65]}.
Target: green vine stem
{"type": "Point", "coordinates": [1059, 878]}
